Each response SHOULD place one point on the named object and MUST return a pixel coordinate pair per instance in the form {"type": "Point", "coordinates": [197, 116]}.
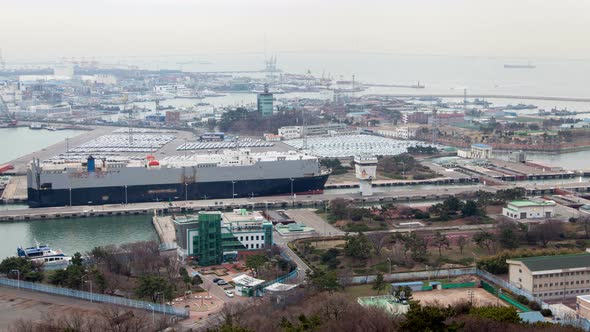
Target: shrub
{"type": "Point", "coordinates": [522, 299]}
{"type": "Point", "coordinates": [535, 306]}
{"type": "Point", "coordinates": [546, 312]}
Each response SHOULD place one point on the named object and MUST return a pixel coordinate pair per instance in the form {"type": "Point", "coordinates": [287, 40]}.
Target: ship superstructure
{"type": "Point", "coordinates": [232, 173]}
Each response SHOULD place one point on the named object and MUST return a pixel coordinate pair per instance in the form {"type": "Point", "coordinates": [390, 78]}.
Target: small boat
{"type": "Point", "coordinates": [35, 126]}
{"type": "Point", "coordinates": [44, 255]}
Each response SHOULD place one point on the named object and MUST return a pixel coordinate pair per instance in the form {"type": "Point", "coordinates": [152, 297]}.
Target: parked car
{"type": "Point", "coordinates": [229, 293]}
{"type": "Point", "coordinates": [216, 280]}
{"type": "Point", "coordinates": [221, 282]}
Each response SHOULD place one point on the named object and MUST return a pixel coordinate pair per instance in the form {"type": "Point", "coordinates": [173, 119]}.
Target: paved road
{"type": "Point", "coordinates": [309, 218]}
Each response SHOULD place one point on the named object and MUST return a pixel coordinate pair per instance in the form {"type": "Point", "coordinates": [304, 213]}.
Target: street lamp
{"type": "Point", "coordinates": [233, 191]}
{"type": "Point", "coordinates": [153, 316]}
{"type": "Point", "coordinates": [126, 201]}
{"type": "Point", "coordinates": [292, 194]}
{"type": "Point", "coordinates": [70, 196]}
{"type": "Point", "coordinates": [389, 261]}
{"type": "Point", "coordinates": [186, 191]}
{"type": "Point", "coordinates": [82, 279]}
{"type": "Point", "coordinates": [90, 283]}
{"type": "Point", "coordinates": [17, 277]}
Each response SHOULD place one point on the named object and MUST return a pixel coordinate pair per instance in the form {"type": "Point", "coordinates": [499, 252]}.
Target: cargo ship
{"type": "Point", "coordinates": [232, 173]}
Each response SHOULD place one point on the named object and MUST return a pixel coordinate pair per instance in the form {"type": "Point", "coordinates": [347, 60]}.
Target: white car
{"type": "Point", "coordinates": [229, 293]}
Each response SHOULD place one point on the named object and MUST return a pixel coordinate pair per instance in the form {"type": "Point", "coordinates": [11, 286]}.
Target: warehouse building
{"type": "Point", "coordinates": [526, 209]}
{"type": "Point", "coordinates": [551, 277]}
{"type": "Point", "coordinates": [211, 238]}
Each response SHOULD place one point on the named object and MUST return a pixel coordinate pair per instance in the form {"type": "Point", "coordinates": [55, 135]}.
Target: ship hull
{"type": "Point", "coordinates": [175, 191]}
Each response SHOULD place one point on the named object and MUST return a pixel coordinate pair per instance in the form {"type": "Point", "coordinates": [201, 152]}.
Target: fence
{"type": "Point", "coordinates": [418, 275]}
{"type": "Point", "coordinates": [165, 309]}
{"type": "Point", "coordinates": [496, 292]}
{"type": "Point", "coordinates": [504, 284]}
{"type": "Point", "coordinates": [459, 285]}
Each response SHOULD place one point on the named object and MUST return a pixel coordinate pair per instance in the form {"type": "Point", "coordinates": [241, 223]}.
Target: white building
{"type": "Point", "coordinates": [290, 132]}
{"type": "Point", "coordinates": [477, 151]}
{"type": "Point", "coordinates": [405, 132]}
{"type": "Point", "coordinates": [529, 210]}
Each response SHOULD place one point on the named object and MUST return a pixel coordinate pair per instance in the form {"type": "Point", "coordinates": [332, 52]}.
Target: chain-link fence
{"type": "Point", "coordinates": [93, 297]}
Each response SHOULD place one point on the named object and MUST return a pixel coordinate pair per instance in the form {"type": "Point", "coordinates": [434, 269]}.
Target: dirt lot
{"type": "Point", "coordinates": [451, 296]}
{"type": "Point", "coordinates": [31, 306]}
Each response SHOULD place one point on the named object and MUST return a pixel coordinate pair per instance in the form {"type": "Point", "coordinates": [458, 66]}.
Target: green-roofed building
{"type": "Point", "coordinates": [551, 277]}
{"type": "Point", "coordinates": [526, 209]}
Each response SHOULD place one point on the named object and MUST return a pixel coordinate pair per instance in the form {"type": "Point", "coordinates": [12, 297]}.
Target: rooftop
{"type": "Point", "coordinates": [556, 262]}
{"type": "Point", "coordinates": [481, 146]}
{"type": "Point", "coordinates": [247, 281]}
{"type": "Point", "coordinates": [526, 203]}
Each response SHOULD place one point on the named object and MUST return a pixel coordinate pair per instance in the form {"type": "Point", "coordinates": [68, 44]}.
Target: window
{"type": "Point", "coordinates": [241, 238]}
{"type": "Point", "coordinates": [256, 237]}
{"type": "Point", "coordinates": [519, 270]}
{"type": "Point", "coordinates": [262, 237]}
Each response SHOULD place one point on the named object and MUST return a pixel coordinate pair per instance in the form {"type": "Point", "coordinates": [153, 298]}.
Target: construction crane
{"type": "Point", "coordinates": [2, 63]}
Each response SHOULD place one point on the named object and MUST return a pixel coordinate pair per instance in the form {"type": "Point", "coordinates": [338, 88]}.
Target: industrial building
{"type": "Point", "coordinates": [477, 151]}
{"type": "Point", "coordinates": [529, 209]}
{"type": "Point", "coordinates": [551, 277]}
{"type": "Point", "coordinates": [211, 238]}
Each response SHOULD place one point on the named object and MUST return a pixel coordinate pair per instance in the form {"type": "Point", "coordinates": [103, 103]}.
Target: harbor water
{"type": "Point", "coordinates": [20, 141]}
{"type": "Point", "coordinates": [75, 235]}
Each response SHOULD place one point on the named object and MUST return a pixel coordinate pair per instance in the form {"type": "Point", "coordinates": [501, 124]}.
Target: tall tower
{"type": "Point", "coordinates": [265, 102]}
{"type": "Point", "coordinates": [366, 172]}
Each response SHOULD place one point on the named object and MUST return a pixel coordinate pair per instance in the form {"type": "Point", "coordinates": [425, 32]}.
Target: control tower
{"type": "Point", "coordinates": [366, 172]}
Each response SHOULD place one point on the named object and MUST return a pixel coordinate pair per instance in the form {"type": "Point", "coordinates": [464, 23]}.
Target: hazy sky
{"type": "Point", "coordinates": [515, 28]}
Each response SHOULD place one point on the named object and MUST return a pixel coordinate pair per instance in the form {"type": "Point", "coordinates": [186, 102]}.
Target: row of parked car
{"type": "Point", "coordinates": [222, 282]}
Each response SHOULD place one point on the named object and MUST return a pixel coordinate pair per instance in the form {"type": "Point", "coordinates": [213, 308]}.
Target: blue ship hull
{"type": "Point", "coordinates": [175, 192]}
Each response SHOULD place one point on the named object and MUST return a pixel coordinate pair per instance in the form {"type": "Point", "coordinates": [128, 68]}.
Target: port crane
{"type": "Point", "coordinates": [4, 109]}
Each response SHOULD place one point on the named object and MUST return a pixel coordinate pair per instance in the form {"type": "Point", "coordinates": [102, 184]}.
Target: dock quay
{"type": "Point", "coordinates": [485, 96]}
{"type": "Point", "coordinates": [165, 230]}
{"type": "Point", "coordinates": [271, 202]}
{"type": "Point", "coordinates": [396, 183]}
{"type": "Point", "coordinates": [15, 191]}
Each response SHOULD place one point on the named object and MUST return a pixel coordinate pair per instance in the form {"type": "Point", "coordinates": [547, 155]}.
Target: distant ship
{"type": "Point", "coordinates": [521, 66]}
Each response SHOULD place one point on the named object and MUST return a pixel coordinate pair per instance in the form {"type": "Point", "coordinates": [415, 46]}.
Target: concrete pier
{"type": "Point", "coordinates": [273, 202]}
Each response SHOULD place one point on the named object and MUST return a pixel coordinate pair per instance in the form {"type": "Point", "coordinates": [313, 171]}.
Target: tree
{"type": "Point", "coordinates": [323, 280]}
{"type": "Point", "coordinates": [339, 208]}
{"type": "Point", "coordinates": [196, 280]}
{"type": "Point", "coordinates": [149, 286]}
{"type": "Point", "coordinates": [484, 239]}
{"type": "Point", "coordinates": [255, 262]}
{"type": "Point", "coordinates": [27, 270]}
{"type": "Point", "coordinates": [452, 204]}
{"type": "Point", "coordinates": [77, 259]}
{"type": "Point", "coordinates": [357, 246]}
{"type": "Point", "coordinates": [428, 318]}
{"type": "Point", "coordinates": [501, 314]}
{"type": "Point", "coordinates": [546, 232]}
{"type": "Point", "coordinates": [470, 208]}
{"type": "Point", "coordinates": [509, 234]}
{"type": "Point", "coordinates": [379, 283]}
{"type": "Point", "coordinates": [330, 258]}
{"type": "Point", "coordinates": [462, 242]}
{"type": "Point", "coordinates": [378, 240]}
{"type": "Point", "coordinates": [585, 221]}
{"type": "Point", "coordinates": [441, 241]}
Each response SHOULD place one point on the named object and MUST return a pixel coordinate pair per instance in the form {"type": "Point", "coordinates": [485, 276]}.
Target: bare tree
{"type": "Point", "coordinates": [461, 243]}
{"type": "Point", "coordinates": [546, 232]}
{"type": "Point", "coordinates": [379, 240]}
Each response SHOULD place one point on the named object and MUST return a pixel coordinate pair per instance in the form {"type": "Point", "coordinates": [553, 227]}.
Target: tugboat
{"type": "Point", "coordinates": [44, 255]}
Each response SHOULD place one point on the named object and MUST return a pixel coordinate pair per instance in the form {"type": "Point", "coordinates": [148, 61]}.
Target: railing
{"type": "Point", "coordinates": [165, 309]}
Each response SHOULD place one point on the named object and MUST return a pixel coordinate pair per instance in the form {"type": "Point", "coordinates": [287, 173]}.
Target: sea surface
{"type": "Point", "coordinates": [72, 235]}
{"type": "Point", "coordinates": [17, 142]}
